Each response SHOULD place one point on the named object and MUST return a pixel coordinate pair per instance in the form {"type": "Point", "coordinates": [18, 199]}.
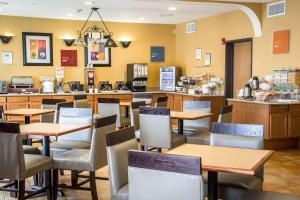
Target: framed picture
{"type": "Point", "coordinates": [68, 58]}
{"type": "Point", "coordinates": [37, 49]}
{"type": "Point", "coordinates": [7, 57]}
{"type": "Point", "coordinates": [208, 59]}
{"type": "Point", "coordinates": [157, 54]}
{"type": "Point", "coordinates": [198, 53]}
{"type": "Point", "coordinates": [97, 54]}
{"type": "Point", "coordinates": [281, 40]}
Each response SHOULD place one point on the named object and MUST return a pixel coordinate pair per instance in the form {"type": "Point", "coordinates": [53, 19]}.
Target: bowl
{"type": "Point", "coordinates": [178, 88]}
{"type": "Point", "coordinates": [266, 86]}
{"type": "Point", "coordinates": [269, 78]}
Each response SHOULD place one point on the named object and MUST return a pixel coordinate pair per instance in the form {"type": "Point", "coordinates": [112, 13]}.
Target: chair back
{"type": "Point", "coordinates": [162, 102]}
{"type": "Point", "coordinates": [197, 106]}
{"type": "Point", "coordinates": [62, 105]}
{"type": "Point", "coordinates": [135, 113]}
{"type": "Point", "coordinates": [164, 176]}
{"type": "Point", "coordinates": [81, 101]}
{"type": "Point", "coordinates": [225, 115]}
{"type": "Point", "coordinates": [98, 154]}
{"type": "Point", "coordinates": [147, 97]}
{"type": "Point", "coordinates": [1, 114]}
{"type": "Point", "coordinates": [12, 163]}
{"type": "Point", "coordinates": [50, 104]}
{"type": "Point", "coordinates": [109, 107]}
{"type": "Point", "coordinates": [118, 143]}
{"type": "Point", "coordinates": [155, 127]}
{"type": "Point", "coordinates": [78, 116]}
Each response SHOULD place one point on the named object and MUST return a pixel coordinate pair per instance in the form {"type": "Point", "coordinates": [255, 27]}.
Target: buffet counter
{"type": "Point", "coordinates": [281, 120]}
{"type": "Point", "coordinates": [175, 100]}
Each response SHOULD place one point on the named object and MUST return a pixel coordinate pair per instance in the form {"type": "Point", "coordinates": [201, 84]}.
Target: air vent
{"type": "Point", "coordinates": [277, 9]}
{"type": "Point", "coordinates": [191, 27]}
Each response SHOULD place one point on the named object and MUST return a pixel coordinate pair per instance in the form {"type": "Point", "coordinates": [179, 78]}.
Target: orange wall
{"type": "Point", "coordinates": [143, 35]}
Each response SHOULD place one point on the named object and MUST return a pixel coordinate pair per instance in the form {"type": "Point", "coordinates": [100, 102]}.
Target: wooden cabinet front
{"type": "Point", "coordinates": [279, 125]}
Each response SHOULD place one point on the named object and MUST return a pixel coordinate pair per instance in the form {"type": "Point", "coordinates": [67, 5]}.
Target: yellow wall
{"type": "Point", "coordinates": [236, 25]}
{"type": "Point", "coordinates": [143, 35]}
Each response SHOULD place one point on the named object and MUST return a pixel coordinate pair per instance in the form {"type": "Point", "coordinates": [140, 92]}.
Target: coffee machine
{"type": "Point", "coordinates": [137, 76]}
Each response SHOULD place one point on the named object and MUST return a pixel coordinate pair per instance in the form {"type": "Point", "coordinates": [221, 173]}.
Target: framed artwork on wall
{"type": "Point", "coordinates": [157, 54]}
{"type": "Point", "coordinates": [7, 57]}
{"type": "Point", "coordinates": [281, 40]}
{"type": "Point", "coordinates": [97, 54]}
{"type": "Point", "coordinates": [68, 58]}
{"type": "Point", "coordinates": [208, 59]}
{"type": "Point", "coordinates": [37, 49]}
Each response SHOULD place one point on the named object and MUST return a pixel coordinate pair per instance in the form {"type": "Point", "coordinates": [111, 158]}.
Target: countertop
{"type": "Point", "coordinates": [266, 103]}
{"type": "Point", "coordinates": [109, 92]}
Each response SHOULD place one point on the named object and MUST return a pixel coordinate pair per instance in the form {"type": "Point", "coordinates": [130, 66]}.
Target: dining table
{"type": "Point", "coordinates": [127, 105]}
{"type": "Point", "coordinates": [47, 130]}
{"type": "Point", "coordinates": [27, 113]}
{"type": "Point", "coordinates": [216, 159]}
{"type": "Point", "coordinates": [181, 116]}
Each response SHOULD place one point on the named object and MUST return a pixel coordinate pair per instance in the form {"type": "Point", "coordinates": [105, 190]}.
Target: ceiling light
{"type": "Point", "coordinates": [141, 18]}
{"type": "Point", "coordinates": [1, 10]}
{"type": "Point", "coordinates": [70, 15]}
{"type": "Point", "coordinates": [2, 3]}
{"type": "Point", "coordinates": [172, 8]}
{"type": "Point", "coordinates": [90, 3]}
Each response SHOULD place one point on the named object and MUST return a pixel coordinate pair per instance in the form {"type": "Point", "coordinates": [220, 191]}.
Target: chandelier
{"type": "Point", "coordinates": [94, 34]}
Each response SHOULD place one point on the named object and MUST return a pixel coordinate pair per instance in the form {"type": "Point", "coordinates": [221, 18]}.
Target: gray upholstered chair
{"type": "Point", "coordinates": [16, 166]}
{"type": "Point", "coordinates": [225, 115]}
{"type": "Point", "coordinates": [50, 104]}
{"type": "Point", "coordinates": [233, 186]}
{"type": "Point", "coordinates": [156, 129]}
{"type": "Point", "coordinates": [262, 195]}
{"type": "Point", "coordinates": [135, 116]}
{"type": "Point", "coordinates": [197, 131]}
{"type": "Point", "coordinates": [162, 102]}
{"type": "Point", "coordinates": [81, 101]}
{"type": "Point", "coordinates": [164, 177]}
{"type": "Point", "coordinates": [86, 159]}
{"type": "Point", "coordinates": [111, 106]}
{"type": "Point", "coordinates": [2, 114]}
{"type": "Point", "coordinates": [147, 97]}
{"type": "Point", "coordinates": [12, 127]}
{"type": "Point", "coordinates": [59, 106]}
{"type": "Point", "coordinates": [118, 143]}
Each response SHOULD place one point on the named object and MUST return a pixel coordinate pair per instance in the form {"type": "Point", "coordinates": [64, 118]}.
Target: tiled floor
{"type": "Point", "coordinates": [282, 174]}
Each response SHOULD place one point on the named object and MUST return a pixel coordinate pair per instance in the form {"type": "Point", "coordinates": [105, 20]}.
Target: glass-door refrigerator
{"type": "Point", "coordinates": [169, 76]}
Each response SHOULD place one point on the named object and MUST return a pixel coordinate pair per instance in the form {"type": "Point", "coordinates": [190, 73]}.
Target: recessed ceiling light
{"type": "Point", "coordinates": [70, 15]}
{"type": "Point", "coordinates": [89, 3]}
{"type": "Point", "coordinates": [172, 8]}
{"type": "Point", "coordinates": [141, 18]}
{"type": "Point", "coordinates": [1, 10]}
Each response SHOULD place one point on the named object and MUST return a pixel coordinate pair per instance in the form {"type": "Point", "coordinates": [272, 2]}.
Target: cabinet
{"type": "Point", "coordinates": [178, 102]}
{"type": "Point", "coordinates": [279, 125]}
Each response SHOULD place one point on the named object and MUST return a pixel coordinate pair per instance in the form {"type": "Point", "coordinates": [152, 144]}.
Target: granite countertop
{"type": "Point", "coordinates": [109, 92]}
{"type": "Point", "coordinates": [275, 102]}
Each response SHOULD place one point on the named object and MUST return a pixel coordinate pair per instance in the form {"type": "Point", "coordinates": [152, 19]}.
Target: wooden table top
{"type": "Point", "coordinates": [50, 129]}
{"type": "Point", "coordinates": [125, 103]}
{"type": "Point", "coordinates": [29, 112]}
{"type": "Point", "coordinates": [225, 159]}
{"type": "Point", "coordinates": [189, 115]}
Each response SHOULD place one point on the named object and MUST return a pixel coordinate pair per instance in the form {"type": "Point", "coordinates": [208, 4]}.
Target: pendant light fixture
{"type": "Point", "coordinates": [95, 33]}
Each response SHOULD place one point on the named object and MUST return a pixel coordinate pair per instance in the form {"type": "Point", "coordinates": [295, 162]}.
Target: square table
{"type": "Point", "coordinates": [27, 113]}
{"type": "Point", "coordinates": [224, 159]}
{"type": "Point", "coordinates": [180, 116]}
{"type": "Point", "coordinates": [127, 105]}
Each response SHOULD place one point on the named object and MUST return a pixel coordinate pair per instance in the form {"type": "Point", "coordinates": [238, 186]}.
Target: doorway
{"type": "Point", "coordinates": [238, 65]}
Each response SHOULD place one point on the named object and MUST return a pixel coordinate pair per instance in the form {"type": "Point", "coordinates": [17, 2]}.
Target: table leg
{"type": "Point", "coordinates": [212, 185]}
{"type": "Point", "coordinates": [46, 152]}
{"type": "Point", "coordinates": [27, 120]}
{"type": "Point", "coordinates": [180, 126]}
{"type": "Point", "coordinates": [28, 141]}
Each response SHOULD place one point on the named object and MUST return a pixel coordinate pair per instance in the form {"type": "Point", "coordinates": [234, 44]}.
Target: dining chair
{"type": "Point", "coordinates": [135, 116]}
{"type": "Point", "coordinates": [59, 106]}
{"type": "Point", "coordinates": [118, 144]}
{"type": "Point", "coordinates": [225, 115]}
{"type": "Point", "coordinates": [111, 106]}
{"type": "Point", "coordinates": [50, 104]}
{"type": "Point", "coordinates": [164, 176]}
{"type": "Point", "coordinates": [147, 97]}
{"type": "Point", "coordinates": [81, 101]}
{"type": "Point", "coordinates": [17, 166]}
{"type": "Point", "coordinates": [233, 186]}
{"type": "Point", "coordinates": [197, 131]}
{"type": "Point", "coordinates": [264, 195]}
{"type": "Point", "coordinates": [162, 102]}
{"type": "Point", "coordinates": [156, 129]}
{"type": "Point", "coordinates": [89, 160]}
{"type": "Point", "coordinates": [2, 119]}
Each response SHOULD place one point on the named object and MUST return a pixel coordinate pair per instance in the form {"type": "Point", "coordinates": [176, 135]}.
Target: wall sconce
{"type": "Point", "coordinates": [5, 39]}
{"type": "Point", "coordinates": [125, 44]}
{"type": "Point", "coordinates": [69, 42]}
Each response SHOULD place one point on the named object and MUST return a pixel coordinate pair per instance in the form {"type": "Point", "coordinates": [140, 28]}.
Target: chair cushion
{"type": "Point", "coordinates": [122, 194]}
{"type": "Point", "coordinates": [241, 181]}
{"type": "Point", "coordinates": [69, 145]}
{"type": "Point", "coordinates": [77, 159]}
{"type": "Point", "coordinates": [177, 140]}
{"type": "Point", "coordinates": [198, 138]}
{"type": "Point", "coordinates": [188, 130]}
{"type": "Point", "coordinates": [30, 150]}
{"type": "Point", "coordinates": [125, 121]}
{"type": "Point", "coordinates": [35, 164]}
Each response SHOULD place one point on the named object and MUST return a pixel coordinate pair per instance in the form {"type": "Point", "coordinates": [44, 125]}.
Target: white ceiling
{"type": "Point", "coordinates": [137, 11]}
